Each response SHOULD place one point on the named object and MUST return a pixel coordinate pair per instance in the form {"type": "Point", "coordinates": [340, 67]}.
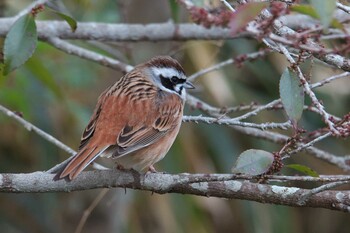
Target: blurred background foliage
{"type": "Point", "coordinates": [57, 92]}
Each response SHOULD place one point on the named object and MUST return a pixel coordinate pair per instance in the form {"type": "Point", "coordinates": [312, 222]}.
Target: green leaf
{"type": "Point", "coordinates": [244, 14]}
{"type": "Point", "coordinates": [292, 94]}
{"type": "Point", "coordinates": [325, 9]}
{"type": "Point", "coordinates": [174, 7]}
{"type": "Point", "coordinates": [310, 11]}
{"type": "Point", "coordinates": [306, 10]}
{"type": "Point", "coordinates": [72, 22]}
{"type": "Point", "coordinates": [253, 162]}
{"type": "Point", "coordinates": [60, 9]}
{"type": "Point", "coordinates": [304, 169]}
{"type": "Point", "coordinates": [20, 43]}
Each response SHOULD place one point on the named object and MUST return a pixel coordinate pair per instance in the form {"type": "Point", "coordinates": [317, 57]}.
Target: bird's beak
{"type": "Point", "coordinates": [188, 85]}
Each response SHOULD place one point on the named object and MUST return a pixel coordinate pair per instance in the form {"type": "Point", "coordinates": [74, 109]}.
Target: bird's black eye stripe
{"type": "Point", "coordinates": [166, 82]}
{"type": "Point", "coordinates": [171, 82]}
{"type": "Point", "coordinates": [176, 80]}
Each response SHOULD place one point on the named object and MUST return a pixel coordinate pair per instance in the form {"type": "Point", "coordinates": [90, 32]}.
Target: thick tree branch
{"type": "Point", "coordinates": [162, 32]}
{"type": "Point", "coordinates": [179, 183]}
{"type": "Point", "coordinates": [124, 32]}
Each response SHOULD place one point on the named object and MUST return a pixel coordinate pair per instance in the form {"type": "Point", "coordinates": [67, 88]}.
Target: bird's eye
{"type": "Point", "coordinates": [174, 79]}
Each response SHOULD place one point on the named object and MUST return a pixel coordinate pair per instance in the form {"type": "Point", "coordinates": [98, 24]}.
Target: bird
{"type": "Point", "coordinates": [136, 120]}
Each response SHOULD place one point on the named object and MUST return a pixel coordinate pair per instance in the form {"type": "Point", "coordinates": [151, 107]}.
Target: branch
{"type": "Point", "coordinates": [40, 182]}
{"type": "Point", "coordinates": [307, 89]}
{"type": "Point", "coordinates": [89, 55]}
{"type": "Point", "coordinates": [229, 121]}
{"type": "Point", "coordinates": [161, 32]}
{"type": "Point", "coordinates": [239, 59]}
{"type": "Point", "coordinates": [343, 7]}
{"type": "Point", "coordinates": [340, 161]}
{"type": "Point", "coordinates": [29, 8]}
{"type": "Point", "coordinates": [125, 32]}
{"type": "Point", "coordinates": [331, 58]}
{"type": "Point", "coordinates": [30, 127]}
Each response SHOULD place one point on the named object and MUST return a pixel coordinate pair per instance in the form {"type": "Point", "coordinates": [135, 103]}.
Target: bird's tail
{"type": "Point", "coordinates": [79, 162]}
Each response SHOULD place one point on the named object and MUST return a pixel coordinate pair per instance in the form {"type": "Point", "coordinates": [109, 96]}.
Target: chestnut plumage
{"type": "Point", "coordinates": [136, 120]}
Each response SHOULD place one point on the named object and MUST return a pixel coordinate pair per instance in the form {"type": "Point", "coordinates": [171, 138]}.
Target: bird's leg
{"type": "Point", "coordinates": [151, 169]}
{"type": "Point", "coordinates": [120, 167]}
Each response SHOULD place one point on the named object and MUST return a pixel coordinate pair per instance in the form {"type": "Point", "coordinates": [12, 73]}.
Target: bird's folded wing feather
{"type": "Point", "coordinates": [126, 126]}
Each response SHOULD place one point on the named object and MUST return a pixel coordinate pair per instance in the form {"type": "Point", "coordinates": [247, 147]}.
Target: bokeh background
{"type": "Point", "coordinates": [57, 92]}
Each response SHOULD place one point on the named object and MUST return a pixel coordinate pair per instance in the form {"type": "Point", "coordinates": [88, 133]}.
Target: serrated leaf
{"type": "Point", "coordinates": [325, 9]}
{"type": "Point", "coordinates": [310, 11]}
{"type": "Point", "coordinates": [244, 14]}
{"type": "Point", "coordinates": [292, 94]}
{"type": "Point", "coordinates": [253, 162]}
{"type": "Point", "coordinates": [20, 43]}
{"type": "Point", "coordinates": [304, 169]}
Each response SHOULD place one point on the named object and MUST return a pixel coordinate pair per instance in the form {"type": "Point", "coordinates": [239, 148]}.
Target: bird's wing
{"type": "Point", "coordinates": [125, 125]}
{"type": "Point", "coordinates": [139, 134]}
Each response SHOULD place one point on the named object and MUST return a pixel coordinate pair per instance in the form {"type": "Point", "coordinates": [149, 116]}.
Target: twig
{"type": "Point", "coordinates": [308, 48]}
{"type": "Point", "coordinates": [306, 145]}
{"type": "Point", "coordinates": [319, 189]}
{"type": "Point", "coordinates": [30, 127]}
{"type": "Point", "coordinates": [228, 5]}
{"type": "Point", "coordinates": [89, 55]}
{"type": "Point", "coordinates": [329, 79]}
{"type": "Point", "coordinates": [343, 7]}
{"type": "Point", "coordinates": [331, 58]}
{"type": "Point", "coordinates": [89, 210]}
{"type": "Point", "coordinates": [228, 121]}
{"type": "Point", "coordinates": [307, 89]}
{"type": "Point", "coordinates": [257, 110]}
{"type": "Point", "coordinates": [247, 57]}
{"type": "Point", "coordinates": [272, 136]}
{"type": "Point", "coordinates": [29, 8]}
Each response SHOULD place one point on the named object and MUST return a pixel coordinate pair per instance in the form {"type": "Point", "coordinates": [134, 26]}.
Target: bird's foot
{"type": "Point", "coordinates": [151, 169]}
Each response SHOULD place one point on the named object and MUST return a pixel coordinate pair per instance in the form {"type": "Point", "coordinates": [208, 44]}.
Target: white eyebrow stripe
{"type": "Point", "coordinates": [167, 72]}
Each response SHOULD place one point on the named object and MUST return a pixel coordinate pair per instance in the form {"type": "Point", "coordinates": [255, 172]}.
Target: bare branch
{"type": "Point", "coordinates": [228, 5]}
{"type": "Point", "coordinates": [319, 189]}
{"type": "Point", "coordinates": [89, 55]}
{"type": "Point", "coordinates": [343, 7]}
{"type": "Point", "coordinates": [228, 121]}
{"type": "Point", "coordinates": [89, 210]}
{"type": "Point", "coordinates": [342, 162]}
{"type": "Point", "coordinates": [29, 8]}
{"type": "Point", "coordinates": [30, 127]}
{"type": "Point", "coordinates": [329, 79]}
{"type": "Point", "coordinates": [331, 58]}
{"type": "Point", "coordinates": [180, 183]}
{"type": "Point", "coordinates": [307, 89]}
{"type": "Point", "coordinates": [245, 57]}
{"type": "Point", "coordinates": [125, 32]}
{"type": "Point", "coordinates": [306, 145]}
